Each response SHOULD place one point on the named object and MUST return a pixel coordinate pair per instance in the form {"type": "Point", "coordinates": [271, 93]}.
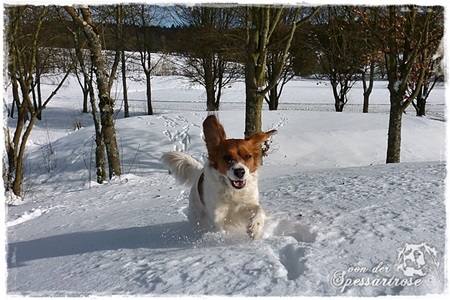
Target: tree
{"type": "Point", "coordinates": [339, 50]}
{"type": "Point", "coordinates": [304, 52]}
{"type": "Point", "coordinates": [112, 18]}
{"type": "Point", "coordinates": [83, 71]}
{"type": "Point", "coordinates": [370, 62]}
{"type": "Point", "coordinates": [121, 48]}
{"type": "Point", "coordinates": [209, 48]}
{"type": "Point", "coordinates": [24, 42]}
{"type": "Point", "coordinates": [275, 57]}
{"type": "Point", "coordinates": [273, 95]}
{"type": "Point", "coordinates": [106, 103]}
{"type": "Point", "coordinates": [261, 22]}
{"type": "Point", "coordinates": [371, 56]}
{"type": "Point", "coordinates": [407, 35]}
{"type": "Point", "coordinates": [433, 75]}
{"type": "Point", "coordinates": [141, 17]}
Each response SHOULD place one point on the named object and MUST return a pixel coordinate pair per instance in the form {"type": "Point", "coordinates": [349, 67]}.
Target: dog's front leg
{"type": "Point", "coordinates": [256, 221]}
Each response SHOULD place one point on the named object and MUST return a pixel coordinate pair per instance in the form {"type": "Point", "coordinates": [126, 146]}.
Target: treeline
{"type": "Point", "coordinates": [339, 44]}
{"type": "Point", "coordinates": [265, 44]}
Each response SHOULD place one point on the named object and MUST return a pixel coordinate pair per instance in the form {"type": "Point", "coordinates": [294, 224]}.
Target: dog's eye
{"type": "Point", "coordinates": [247, 156]}
{"type": "Point", "coordinates": [227, 158]}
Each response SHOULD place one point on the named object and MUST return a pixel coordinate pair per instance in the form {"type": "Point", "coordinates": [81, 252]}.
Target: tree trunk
{"type": "Point", "coordinates": [20, 152]}
{"type": "Point", "coordinates": [39, 95]}
{"type": "Point", "coordinates": [33, 94]}
{"type": "Point", "coordinates": [106, 104]}
{"type": "Point", "coordinates": [421, 104]}
{"type": "Point", "coordinates": [253, 113]}
{"type": "Point", "coordinates": [121, 47]}
{"type": "Point", "coordinates": [18, 145]}
{"type": "Point", "coordinates": [109, 136]}
{"type": "Point", "coordinates": [15, 92]}
{"type": "Point", "coordinates": [255, 64]}
{"type": "Point", "coordinates": [367, 90]}
{"type": "Point", "coordinates": [124, 86]}
{"type": "Point", "coordinates": [339, 106]}
{"type": "Point", "coordinates": [6, 173]}
{"type": "Point", "coordinates": [254, 81]}
{"type": "Point", "coordinates": [100, 148]}
{"type": "Point", "coordinates": [149, 92]}
{"type": "Point", "coordinates": [395, 130]}
{"type": "Point", "coordinates": [421, 100]}
{"type": "Point", "coordinates": [253, 103]}
{"type": "Point", "coordinates": [366, 103]}
{"type": "Point", "coordinates": [87, 90]}
{"type": "Point", "coordinates": [209, 84]}
{"type": "Point", "coordinates": [338, 101]}
{"type": "Point", "coordinates": [273, 98]}
{"type": "Point", "coordinates": [85, 99]}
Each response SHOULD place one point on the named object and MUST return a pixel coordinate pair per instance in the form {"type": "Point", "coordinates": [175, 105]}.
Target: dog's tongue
{"type": "Point", "coordinates": [239, 184]}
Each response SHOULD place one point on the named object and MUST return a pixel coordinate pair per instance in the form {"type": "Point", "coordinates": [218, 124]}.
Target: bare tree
{"type": "Point", "coordinates": [367, 88]}
{"type": "Point", "coordinates": [339, 55]}
{"type": "Point", "coordinates": [273, 95]}
{"type": "Point", "coordinates": [433, 75]}
{"type": "Point", "coordinates": [370, 56]}
{"type": "Point", "coordinates": [275, 57]}
{"type": "Point", "coordinates": [261, 22]}
{"type": "Point", "coordinates": [83, 70]}
{"type": "Point", "coordinates": [121, 48]}
{"type": "Point", "coordinates": [106, 103]}
{"type": "Point", "coordinates": [24, 43]}
{"type": "Point", "coordinates": [142, 16]}
{"type": "Point", "coordinates": [209, 48]}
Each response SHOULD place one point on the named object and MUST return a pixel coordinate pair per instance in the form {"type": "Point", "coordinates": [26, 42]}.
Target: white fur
{"type": "Point", "coordinates": [224, 207]}
{"type": "Point", "coordinates": [184, 167]}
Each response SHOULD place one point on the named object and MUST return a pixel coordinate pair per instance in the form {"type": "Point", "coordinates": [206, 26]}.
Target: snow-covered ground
{"type": "Point", "coordinates": [341, 222]}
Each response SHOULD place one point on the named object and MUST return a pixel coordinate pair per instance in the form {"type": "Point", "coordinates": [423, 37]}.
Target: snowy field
{"type": "Point", "coordinates": [341, 222]}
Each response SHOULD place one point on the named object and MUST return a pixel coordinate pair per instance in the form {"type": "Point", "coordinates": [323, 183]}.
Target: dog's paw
{"type": "Point", "coordinates": [256, 224]}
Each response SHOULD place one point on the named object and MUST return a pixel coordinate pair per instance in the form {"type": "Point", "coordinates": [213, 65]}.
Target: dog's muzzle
{"type": "Point", "coordinates": [238, 173]}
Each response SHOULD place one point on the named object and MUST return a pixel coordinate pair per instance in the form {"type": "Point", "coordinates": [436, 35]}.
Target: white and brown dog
{"type": "Point", "coordinates": [224, 193]}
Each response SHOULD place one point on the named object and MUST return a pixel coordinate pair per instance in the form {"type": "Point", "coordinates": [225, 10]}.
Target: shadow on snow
{"type": "Point", "coordinates": [169, 235]}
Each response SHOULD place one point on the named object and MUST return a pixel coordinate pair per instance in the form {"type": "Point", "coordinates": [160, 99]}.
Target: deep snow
{"type": "Point", "coordinates": [333, 205]}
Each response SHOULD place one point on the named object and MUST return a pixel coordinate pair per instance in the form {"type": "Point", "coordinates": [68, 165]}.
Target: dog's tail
{"type": "Point", "coordinates": [182, 166]}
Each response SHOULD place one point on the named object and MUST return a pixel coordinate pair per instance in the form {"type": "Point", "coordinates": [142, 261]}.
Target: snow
{"type": "Point", "coordinates": [337, 214]}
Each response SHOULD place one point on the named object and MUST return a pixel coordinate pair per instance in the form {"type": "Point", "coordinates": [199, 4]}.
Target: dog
{"type": "Point", "coordinates": [224, 193]}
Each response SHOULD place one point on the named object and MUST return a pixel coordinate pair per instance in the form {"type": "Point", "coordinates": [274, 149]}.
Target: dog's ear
{"type": "Point", "coordinates": [260, 137]}
{"type": "Point", "coordinates": [401, 258]}
{"type": "Point", "coordinates": [430, 255]}
{"type": "Point", "coordinates": [213, 132]}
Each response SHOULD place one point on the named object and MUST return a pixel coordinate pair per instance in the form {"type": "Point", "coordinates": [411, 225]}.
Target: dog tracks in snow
{"type": "Point", "coordinates": [180, 138]}
{"type": "Point", "coordinates": [292, 254]}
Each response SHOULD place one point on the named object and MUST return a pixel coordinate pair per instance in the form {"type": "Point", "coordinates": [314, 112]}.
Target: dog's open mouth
{"type": "Point", "coordinates": [238, 184]}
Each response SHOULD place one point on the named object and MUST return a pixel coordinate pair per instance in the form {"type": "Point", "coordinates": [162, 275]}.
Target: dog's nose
{"type": "Point", "coordinates": [239, 173]}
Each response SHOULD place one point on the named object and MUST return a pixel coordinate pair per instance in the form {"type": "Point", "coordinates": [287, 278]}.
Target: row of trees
{"type": "Point", "coordinates": [271, 44]}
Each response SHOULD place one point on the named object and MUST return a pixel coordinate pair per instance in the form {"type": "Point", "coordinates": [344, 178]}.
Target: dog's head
{"type": "Point", "coordinates": [417, 259]}
{"type": "Point", "coordinates": [235, 159]}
